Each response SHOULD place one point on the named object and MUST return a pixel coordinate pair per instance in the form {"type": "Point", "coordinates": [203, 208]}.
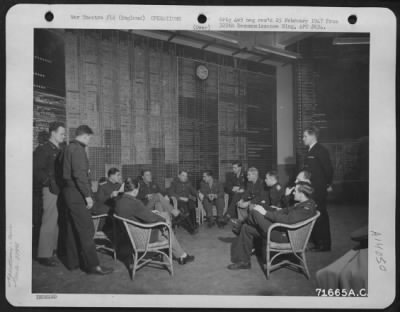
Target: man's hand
{"type": "Point", "coordinates": [260, 209]}
{"type": "Point", "coordinates": [329, 189]}
{"type": "Point", "coordinates": [89, 202]}
{"type": "Point", "coordinates": [235, 189]}
{"type": "Point", "coordinates": [185, 199]}
{"type": "Point", "coordinates": [289, 191]}
{"type": "Point", "coordinates": [149, 196]}
{"type": "Point", "coordinates": [211, 197]}
{"type": "Point", "coordinates": [114, 194]}
{"type": "Point", "coordinates": [241, 191]}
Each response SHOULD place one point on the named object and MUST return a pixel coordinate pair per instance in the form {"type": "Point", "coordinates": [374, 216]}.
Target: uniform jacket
{"type": "Point", "coordinates": [129, 207]}
{"type": "Point", "coordinates": [234, 180]}
{"type": "Point", "coordinates": [255, 192]}
{"type": "Point", "coordinates": [103, 201]}
{"type": "Point", "coordinates": [293, 214]}
{"type": "Point", "coordinates": [47, 167]}
{"type": "Point", "coordinates": [182, 189]}
{"type": "Point", "coordinates": [76, 167]}
{"type": "Point", "coordinates": [318, 163]}
{"type": "Point", "coordinates": [215, 188]}
{"type": "Point", "coordinates": [145, 189]}
{"type": "Point", "coordinates": [273, 195]}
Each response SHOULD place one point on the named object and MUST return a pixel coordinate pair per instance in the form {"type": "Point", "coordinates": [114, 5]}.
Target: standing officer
{"type": "Point", "coordinates": [318, 163]}
{"type": "Point", "coordinates": [212, 193]}
{"type": "Point", "coordinates": [234, 187]}
{"type": "Point", "coordinates": [46, 172]}
{"type": "Point", "coordinates": [77, 196]}
{"type": "Point", "coordinates": [186, 196]}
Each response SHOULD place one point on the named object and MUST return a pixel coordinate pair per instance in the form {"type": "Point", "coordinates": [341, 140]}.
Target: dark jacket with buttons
{"type": "Point", "coordinates": [47, 167]}
{"type": "Point", "coordinates": [102, 198]}
{"type": "Point", "coordinates": [76, 171]}
{"type": "Point", "coordinates": [319, 164]}
{"type": "Point", "coordinates": [182, 189]}
{"type": "Point", "coordinates": [273, 196]}
{"type": "Point", "coordinates": [234, 180]}
{"type": "Point", "coordinates": [255, 192]}
{"type": "Point", "coordinates": [146, 189]}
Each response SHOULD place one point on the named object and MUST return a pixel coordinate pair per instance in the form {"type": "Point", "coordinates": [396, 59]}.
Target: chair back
{"type": "Point", "coordinates": [299, 233]}
{"type": "Point", "coordinates": [138, 235]}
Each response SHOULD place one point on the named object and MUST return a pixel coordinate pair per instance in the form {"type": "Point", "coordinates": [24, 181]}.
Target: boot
{"type": "Point", "coordinates": [220, 222]}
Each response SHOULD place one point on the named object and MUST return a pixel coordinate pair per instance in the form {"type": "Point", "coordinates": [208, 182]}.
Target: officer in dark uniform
{"type": "Point", "coordinates": [235, 186]}
{"type": "Point", "coordinates": [78, 200]}
{"type": "Point", "coordinates": [274, 192]}
{"type": "Point", "coordinates": [106, 192]}
{"type": "Point", "coordinates": [47, 177]}
{"type": "Point", "coordinates": [318, 163]}
{"type": "Point", "coordinates": [260, 220]}
{"type": "Point", "coordinates": [186, 196]}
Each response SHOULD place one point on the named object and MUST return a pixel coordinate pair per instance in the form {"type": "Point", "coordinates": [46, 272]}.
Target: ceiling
{"type": "Point", "coordinates": [263, 47]}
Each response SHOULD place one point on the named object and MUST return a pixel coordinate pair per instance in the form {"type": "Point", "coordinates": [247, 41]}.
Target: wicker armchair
{"type": "Point", "coordinates": [298, 234]}
{"type": "Point", "coordinates": [139, 236]}
{"type": "Point", "coordinates": [100, 236]}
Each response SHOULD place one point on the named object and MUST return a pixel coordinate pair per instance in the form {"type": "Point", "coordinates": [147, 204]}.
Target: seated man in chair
{"type": "Point", "coordinates": [260, 219]}
{"type": "Point", "coordinates": [107, 191]}
{"type": "Point", "coordinates": [186, 196]}
{"type": "Point", "coordinates": [154, 199]}
{"type": "Point", "coordinates": [129, 207]}
{"type": "Point", "coordinates": [212, 193]}
{"type": "Point", "coordinates": [254, 194]}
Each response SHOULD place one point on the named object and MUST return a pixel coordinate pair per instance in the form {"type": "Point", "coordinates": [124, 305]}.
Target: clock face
{"type": "Point", "coordinates": [202, 72]}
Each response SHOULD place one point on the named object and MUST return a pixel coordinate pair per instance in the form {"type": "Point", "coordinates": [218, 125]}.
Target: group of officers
{"type": "Point", "coordinates": [63, 177]}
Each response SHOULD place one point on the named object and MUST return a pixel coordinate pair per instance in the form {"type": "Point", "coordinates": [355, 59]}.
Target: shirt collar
{"type": "Point", "coordinates": [312, 145]}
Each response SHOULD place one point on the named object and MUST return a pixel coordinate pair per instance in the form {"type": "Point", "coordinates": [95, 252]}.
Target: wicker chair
{"type": "Point", "coordinates": [139, 236]}
{"type": "Point", "coordinates": [298, 234]}
{"type": "Point", "coordinates": [100, 236]}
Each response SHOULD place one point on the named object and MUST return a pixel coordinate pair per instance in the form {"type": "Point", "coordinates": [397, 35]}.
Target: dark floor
{"type": "Point", "coordinates": [208, 274]}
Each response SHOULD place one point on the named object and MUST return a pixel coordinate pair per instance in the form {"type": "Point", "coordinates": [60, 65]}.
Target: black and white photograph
{"type": "Point", "coordinates": [201, 162]}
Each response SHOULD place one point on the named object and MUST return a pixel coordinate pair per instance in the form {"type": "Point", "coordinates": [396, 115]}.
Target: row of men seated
{"type": "Point", "coordinates": [141, 200]}
{"type": "Point", "coordinates": [180, 199]}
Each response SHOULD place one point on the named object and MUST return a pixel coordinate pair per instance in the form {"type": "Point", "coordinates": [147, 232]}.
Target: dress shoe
{"type": "Point", "coordinates": [186, 259]}
{"type": "Point", "coordinates": [50, 262]}
{"type": "Point", "coordinates": [99, 270]}
{"type": "Point", "coordinates": [240, 266]}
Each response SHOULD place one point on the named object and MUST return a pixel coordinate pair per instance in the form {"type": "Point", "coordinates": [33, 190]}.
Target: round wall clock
{"type": "Point", "coordinates": [202, 72]}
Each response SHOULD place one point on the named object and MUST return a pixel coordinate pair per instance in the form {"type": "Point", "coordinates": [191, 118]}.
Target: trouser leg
{"type": "Point", "coordinates": [321, 234]}
{"type": "Point", "coordinates": [192, 212]}
{"type": "Point", "coordinates": [207, 204]}
{"type": "Point", "coordinates": [242, 246]}
{"type": "Point", "coordinates": [232, 208]}
{"type": "Point", "coordinates": [177, 250]}
{"type": "Point", "coordinates": [220, 205]}
{"type": "Point", "coordinates": [48, 236]}
{"type": "Point", "coordinates": [83, 224]}
{"type": "Point", "coordinates": [166, 205]}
